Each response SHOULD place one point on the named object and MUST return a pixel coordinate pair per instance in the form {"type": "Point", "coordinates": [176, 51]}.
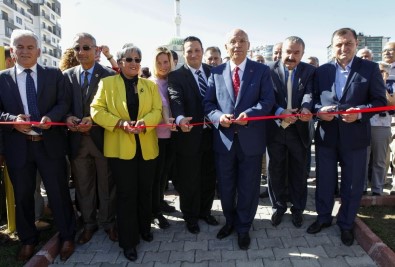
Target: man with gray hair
{"type": "Point", "coordinates": [212, 56]}
{"type": "Point", "coordinates": [94, 183]}
{"type": "Point", "coordinates": [30, 92]}
{"type": "Point", "coordinates": [288, 138]}
{"type": "Point", "coordinates": [365, 53]}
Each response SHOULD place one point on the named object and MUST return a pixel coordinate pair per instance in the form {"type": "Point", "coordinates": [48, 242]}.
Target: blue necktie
{"type": "Point", "coordinates": [31, 96]}
{"type": "Point", "coordinates": [202, 83]}
{"type": "Point", "coordinates": [85, 86]}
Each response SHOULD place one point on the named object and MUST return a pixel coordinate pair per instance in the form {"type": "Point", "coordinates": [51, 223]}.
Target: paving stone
{"type": "Point", "coordinates": [305, 262]}
{"type": "Point", "coordinates": [87, 265]}
{"type": "Point", "coordinates": [334, 251]}
{"type": "Point", "coordinates": [173, 264]}
{"type": "Point", "coordinates": [234, 255]}
{"type": "Point", "coordinates": [133, 264]}
{"type": "Point", "coordinates": [106, 264]}
{"type": "Point", "coordinates": [254, 254]}
{"type": "Point", "coordinates": [314, 252]}
{"type": "Point", "coordinates": [182, 256]}
{"type": "Point", "coordinates": [81, 257]}
{"type": "Point", "coordinates": [162, 256]}
{"type": "Point", "coordinates": [211, 255]}
{"type": "Point", "coordinates": [164, 236]}
{"type": "Point", "coordinates": [277, 263]}
{"type": "Point", "coordinates": [207, 235]}
{"type": "Point", "coordinates": [194, 264]}
{"type": "Point", "coordinates": [358, 251]}
{"type": "Point", "coordinates": [149, 246]}
{"type": "Point", "coordinates": [298, 232]}
{"type": "Point", "coordinates": [255, 263]}
{"type": "Point", "coordinates": [253, 244]}
{"type": "Point", "coordinates": [175, 245]}
{"type": "Point", "coordinates": [105, 257]}
{"type": "Point", "coordinates": [230, 263]}
{"type": "Point", "coordinates": [294, 241]}
{"type": "Point", "coordinates": [364, 261]}
{"type": "Point", "coordinates": [269, 243]}
{"type": "Point", "coordinates": [199, 245]}
{"type": "Point", "coordinates": [319, 240]}
{"type": "Point", "coordinates": [261, 233]}
{"type": "Point", "coordinates": [331, 262]}
{"type": "Point", "coordinates": [277, 232]}
{"type": "Point", "coordinates": [220, 244]}
{"type": "Point", "coordinates": [184, 236]}
{"type": "Point", "coordinates": [281, 253]}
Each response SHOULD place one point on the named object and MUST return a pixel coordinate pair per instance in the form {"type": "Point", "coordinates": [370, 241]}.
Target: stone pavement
{"type": "Point", "coordinates": [283, 245]}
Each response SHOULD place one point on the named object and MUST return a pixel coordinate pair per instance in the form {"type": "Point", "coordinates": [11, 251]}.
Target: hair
{"type": "Point", "coordinates": [343, 31]}
{"type": "Point", "coordinates": [174, 54]}
{"type": "Point", "coordinates": [360, 51]}
{"type": "Point", "coordinates": [385, 66]}
{"type": "Point", "coordinates": [7, 52]}
{"type": "Point", "coordinates": [18, 33]}
{"type": "Point", "coordinates": [159, 51]}
{"type": "Point", "coordinates": [68, 60]}
{"type": "Point", "coordinates": [84, 35]}
{"type": "Point", "coordinates": [213, 49]}
{"type": "Point", "coordinates": [295, 39]}
{"type": "Point", "coordinates": [315, 59]}
{"type": "Point", "coordinates": [191, 39]}
{"type": "Point", "coordinates": [127, 49]}
{"type": "Point", "coordinates": [145, 72]}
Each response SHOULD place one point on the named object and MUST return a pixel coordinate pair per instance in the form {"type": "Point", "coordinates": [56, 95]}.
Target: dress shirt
{"type": "Point", "coordinates": [341, 78]}
{"type": "Point", "coordinates": [82, 75]}
{"type": "Point", "coordinates": [242, 67]}
{"type": "Point", "coordinates": [286, 72]}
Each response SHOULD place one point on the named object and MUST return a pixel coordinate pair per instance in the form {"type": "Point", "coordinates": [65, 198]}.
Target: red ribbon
{"type": "Point", "coordinates": [268, 117]}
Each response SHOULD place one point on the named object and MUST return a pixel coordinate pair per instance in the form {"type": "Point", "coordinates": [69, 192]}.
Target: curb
{"type": "Point", "coordinates": [382, 255]}
{"type": "Point", "coordinates": [46, 255]}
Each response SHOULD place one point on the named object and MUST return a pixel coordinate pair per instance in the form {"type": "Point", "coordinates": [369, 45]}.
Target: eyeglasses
{"type": "Point", "coordinates": [130, 60]}
{"type": "Point", "coordinates": [84, 47]}
{"type": "Point", "coordinates": [389, 50]}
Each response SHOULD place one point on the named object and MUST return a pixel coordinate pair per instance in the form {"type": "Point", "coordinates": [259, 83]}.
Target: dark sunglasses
{"type": "Point", "coordinates": [84, 47]}
{"type": "Point", "coordinates": [129, 60]}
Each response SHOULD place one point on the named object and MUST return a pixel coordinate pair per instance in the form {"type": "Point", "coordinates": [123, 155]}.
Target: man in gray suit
{"type": "Point", "coordinates": [94, 183]}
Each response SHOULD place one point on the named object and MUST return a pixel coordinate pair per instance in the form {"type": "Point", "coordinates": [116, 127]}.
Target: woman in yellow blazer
{"type": "Point", "coordinates": [127, 107]}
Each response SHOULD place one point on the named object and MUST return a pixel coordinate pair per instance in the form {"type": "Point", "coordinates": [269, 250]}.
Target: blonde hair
{"type": "Point", "coordinates": [159, 51]}
{"type": "Point", "coordinates": [68, 60]}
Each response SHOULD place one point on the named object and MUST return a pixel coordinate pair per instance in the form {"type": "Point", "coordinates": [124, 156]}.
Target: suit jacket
{"type": "Point", "coordinates": [302, 88]}
{"type": "Point", "coordinates": [185, 99]}
{"type": "Point", "coordinates": [80, 108]}
{"type": "Point", "coordinates": [53, 101]}
{"type": "Point", "coordinates": [109, 106]}
{"type": "Point", "coordinates": [364, 88]}
{"type": "Point", "coordinates": [255, 98]}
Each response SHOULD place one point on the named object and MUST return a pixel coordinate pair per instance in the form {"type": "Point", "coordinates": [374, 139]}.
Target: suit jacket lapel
{"type": "Point", "coordinates": [227, 74]}
{"type": "Point", "coordinates": [355, 65]}
{"type": "Point", "coordinates": [41, 78]}
{"type": "Point", "coordinates": [15, 89]}
{"type": "Point", "coordinates": [77, 101]}
{"type": "Point", "coordinates": [245, 80]}
{"type": "Point", "coordinates": [192, 82]}
{"type": "Point", "coordinates": [94, 80]}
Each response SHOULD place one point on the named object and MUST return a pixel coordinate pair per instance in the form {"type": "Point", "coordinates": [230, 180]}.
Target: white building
{"type": "Point", "coordinates": [40, 16]}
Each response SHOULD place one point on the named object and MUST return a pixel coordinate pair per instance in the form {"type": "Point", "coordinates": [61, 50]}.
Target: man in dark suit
{"type": "Point", "coordinates": [195, 179]}
{"type": "Point", "coordinates": [30, 92]}
{"type": "Point", "coordinates": [288, 138]}
{"type": "Point", "coordinates": [238, 90]}
{"type": "Point", "coordinates": [348, 83]}
{"type": "Point", "coordinates": [93, 180]}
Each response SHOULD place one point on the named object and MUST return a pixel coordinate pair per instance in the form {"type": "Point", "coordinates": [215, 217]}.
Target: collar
{"type": "Point", "coordinates": [348, 67]}
{"type": "Point", "coordinates": [89, 70]}
{"type": "Point", "coordinates": [20, 69]}
{"type": "Point", "coordinates": [194, 70]}
{"type": "Point", "coordinates": [241, 66]}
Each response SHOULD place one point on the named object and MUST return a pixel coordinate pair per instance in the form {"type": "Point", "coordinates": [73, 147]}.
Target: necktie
{"type": "Point", "coordinates": [289, 89]}
{"type": "Point", "coordinates": [31, 96]}
{"type": "Point", "coordinates": [85, 85]}
{"type": "Point", "coordinates": [236, 81]}
{"type": "Point", "coordinates": [202, 83]}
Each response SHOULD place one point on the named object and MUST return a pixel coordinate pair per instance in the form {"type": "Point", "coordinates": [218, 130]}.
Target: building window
{"type": "Point", "coordinates": [8, 31]}
{"type": "Point", "coordinates": [19, 20]}
{"type": "Point", "coordinates": [52, 17]}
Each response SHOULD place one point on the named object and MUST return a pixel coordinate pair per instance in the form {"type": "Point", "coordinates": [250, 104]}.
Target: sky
{"type": "Point", "coordinates": [150, 23]}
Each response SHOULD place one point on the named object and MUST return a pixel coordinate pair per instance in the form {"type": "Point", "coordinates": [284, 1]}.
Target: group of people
{"type": "Point", "coordinates": [198, 124]}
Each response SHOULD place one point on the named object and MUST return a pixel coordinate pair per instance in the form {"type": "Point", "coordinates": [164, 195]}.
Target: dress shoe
{"type": "Point", "coordinates": [86, 235]}
{"type": "Point", "coordinates": [164, 207]}
{"type": "Point", "coordinates": [112, 234]}
{"type": "Point", "coordinates": [225, 231]}
{"type": "Point", "coordinates": [193, 227]}
{"type": "Point", "coordinates": [130, 254]}
{"type": "Point", "coordinates": [376, 194]}
{"type": "Point", "coordinates": [42, 225]}
{"type": "Point", "coordinates": [148, 237]}
{"type": "Point", "coordinates": [277, 218]}
{"type": "Point", "coordinates": [264, 194]}
{"type": "Point", "coordinates": [210, 219]}
{"type": "Point", "coordinates": [297, 219]}
{"type": "Point", "coordinates": [25, 253]}
{"type": "Point", "coordinates": [66, 250]}
{"type": "Point", "coordinates": [347, 237]}
{"type": "Point", "coordinates": [317, 227]}
{"type": "Point", "coordinates": [244, 241]}
{"type": "Point", "coordinates": [161, 221]}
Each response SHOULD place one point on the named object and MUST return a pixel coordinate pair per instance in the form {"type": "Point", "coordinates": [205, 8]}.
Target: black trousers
{"type": "Point", "coordinates": [133, 180]}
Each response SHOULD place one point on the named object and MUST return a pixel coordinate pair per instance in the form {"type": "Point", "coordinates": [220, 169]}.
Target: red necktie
{"type": "Point", "coordinates": [236, 81]}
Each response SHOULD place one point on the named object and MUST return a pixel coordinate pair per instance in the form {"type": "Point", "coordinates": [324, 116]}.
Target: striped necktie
{"type": "Point", "coordinates": [202, 83]}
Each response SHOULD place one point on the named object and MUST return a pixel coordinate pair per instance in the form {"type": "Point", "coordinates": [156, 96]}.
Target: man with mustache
{"type": "Point", "coordinates": [288, 138]}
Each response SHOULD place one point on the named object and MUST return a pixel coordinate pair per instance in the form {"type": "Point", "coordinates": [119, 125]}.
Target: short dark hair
{"type": "Point", "coordinates": [191, 39]}
{"type": "Point", "coordinates": [343, 31]}
{"type": "Point", "coordinates": [174, 54]}
{"type": "Point", "coordinates": [213, 49]}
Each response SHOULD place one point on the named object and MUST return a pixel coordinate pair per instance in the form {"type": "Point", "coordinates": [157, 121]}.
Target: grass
{"type": "Point", "coordinates": [381, 220]}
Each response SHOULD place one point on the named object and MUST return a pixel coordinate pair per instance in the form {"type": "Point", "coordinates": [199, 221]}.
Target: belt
{"type": "Point", "coordinates": [34, 138]}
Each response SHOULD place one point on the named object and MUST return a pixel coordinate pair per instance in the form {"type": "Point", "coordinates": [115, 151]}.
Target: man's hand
{"type": "Point", "coordinates": [323, 115]}
{"type": "Point", "coordinates": [72, 123]}
{"type": "Point", "coordinates": [350, 117]}
{"type": "Point", "coordinates": [305, 115]}
{"type": "Point", "coordinates": [23, 128]}
{"type": "Point", "coordinates": [44, 123]}
{"type": "Point", "coordinates": [240, 120]}
{"type": "Point", "coordinates": [290, 119]}
{"type": "Point", "coordinates": [226, 120]}
{"type": "Point", "coordinates": [184, 124]}
{"type": "Point", "coordinates": [85, 125]}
